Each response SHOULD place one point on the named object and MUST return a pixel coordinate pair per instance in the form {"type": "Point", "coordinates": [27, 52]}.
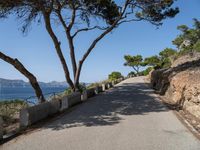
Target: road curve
{"type": "Point", "coordinates": [127, 117]}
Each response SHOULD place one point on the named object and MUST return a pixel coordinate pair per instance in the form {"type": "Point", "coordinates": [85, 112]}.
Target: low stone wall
{"type": "Point", "coordinates": [84, 96]}
{"type": "Point", "coordinates": [36, 113]}
{"type": "Point", "coordinates": [74, 99]}
{"type": "Point", "coordinates": [64, 103]}
{"type": "Point", "coordinates": [103, 87]}
{"type": "Point", "coordinates": [31, 115]}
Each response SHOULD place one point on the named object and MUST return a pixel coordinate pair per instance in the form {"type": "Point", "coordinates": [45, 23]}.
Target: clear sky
{"type": "Point", "coordinates": [37, 53]}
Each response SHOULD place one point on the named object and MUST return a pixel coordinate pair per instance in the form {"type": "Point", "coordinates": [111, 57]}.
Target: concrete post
{"type": "Point", "coordinates": [113, 83]}
{"type": "Point", "coordinates": [84, 96]}
{"type": "Point", "coordinates": [108, 85]}
{"type": "Point", "coordinates": [103, 87]}
{"type": "Point", "coordinates": [31, 115]}
{"type": "Point", "coordinates": [64, 103]}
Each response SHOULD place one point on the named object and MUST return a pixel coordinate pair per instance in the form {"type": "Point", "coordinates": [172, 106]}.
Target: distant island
{"type": "Point", "coordinates": [6, 83]}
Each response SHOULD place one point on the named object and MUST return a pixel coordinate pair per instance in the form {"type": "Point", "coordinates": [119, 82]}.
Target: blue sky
{"type": "Point", "coordinates": [36, 50]}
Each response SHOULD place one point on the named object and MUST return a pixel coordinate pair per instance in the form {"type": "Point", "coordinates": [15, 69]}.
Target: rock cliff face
{"type": "Point", "coordinates": [180, 85]}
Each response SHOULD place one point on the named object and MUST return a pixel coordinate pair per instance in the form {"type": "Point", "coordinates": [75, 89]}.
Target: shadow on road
{"type": "Point", "coordinates": [108, 108]}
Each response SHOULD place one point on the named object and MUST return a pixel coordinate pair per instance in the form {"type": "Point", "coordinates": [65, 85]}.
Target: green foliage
{"type": "Point", "coordinates": [68, 91]}
{"type": "Point", "coordinates": [196, 46]}
{"type": "Point", "coordinates": [76, 16]}
{"type": "Point", "coordinates": [164, 59]}
{"type": "Point", "coordinates": [131, 73]}
{"type": "Point", "coordinates": [189, 38]}
{"type": "Point", "coordinates": [107, 10]}
{"type": "Point", "coordinates": [81, 88]}
{"type": "Point", "coordinates": [114, 76]}
{"type": "Point", "coordinates": [146, 71]}
{"type": "Point", "coordinates": [168, 55]}
{"type": "Point", "coordinates": [93, 85]}
{"type": "Point", "coordinates": [30, 10]}
{"type": "Point", "coordinates": [10, 109]}
{"type": "Point", "coordinates": [167, 52]}
{"type": "Point", "coordinates": [152, 61]}
{"type": "Point", "coordinates": [134, 61]}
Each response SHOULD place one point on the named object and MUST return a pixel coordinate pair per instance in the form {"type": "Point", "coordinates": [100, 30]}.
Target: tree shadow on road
{"type": "Point", "coordinates": [110, 107]}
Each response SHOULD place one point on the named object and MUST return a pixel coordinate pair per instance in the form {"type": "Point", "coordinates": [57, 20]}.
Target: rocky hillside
{"type": "Point", "coordinates": [180, 84]}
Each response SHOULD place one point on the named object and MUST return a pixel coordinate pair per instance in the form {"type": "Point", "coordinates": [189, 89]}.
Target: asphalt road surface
{"type": "Point", "coordinates": [127, 117]}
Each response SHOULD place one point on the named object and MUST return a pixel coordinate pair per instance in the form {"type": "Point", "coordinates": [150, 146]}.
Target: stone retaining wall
{"type": "Point", "coordinates": [180, 85]}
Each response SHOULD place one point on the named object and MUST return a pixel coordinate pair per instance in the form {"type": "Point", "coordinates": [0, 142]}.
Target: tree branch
{"type": "Point", "coordinates": [91, 47]}
{"type": "Point", "coordinates": [72, 18]}
{"type": "Point", "coordinates": [70, 41]}
{"type": "Point", "coordinates": [32, 79]}
{"type": "Point", "coordinates": [88, 29]}
{"type": "Point", "coordinates": [130, 20]}
{"type": "Point", "coordinates": [57, 47]}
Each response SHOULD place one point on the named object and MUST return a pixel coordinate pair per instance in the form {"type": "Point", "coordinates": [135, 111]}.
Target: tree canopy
{"type": "Point", "coordinates": [114, 75]}
{"type": "Point", "coordinates": [77, 16]}
{"type": "Point", "coordinates": [163, 60]}
{"type": "Point", "coordinates": [152, 61]}
{"type": "Point", "coordinates": [189, 38]}
{"type": "Point", "coordinates": [133, 61]}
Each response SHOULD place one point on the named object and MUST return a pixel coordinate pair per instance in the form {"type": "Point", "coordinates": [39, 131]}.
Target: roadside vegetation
{"type": "Point", "coordinates": [114, 76]}
{"type": "Point", "coordinates": [9, 111]}
{"type": "Point", "coordinates": [188, 42]}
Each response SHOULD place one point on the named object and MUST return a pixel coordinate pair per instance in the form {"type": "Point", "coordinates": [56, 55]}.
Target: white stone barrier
{"type": "Point", "coordinates": [108, 85]}
{"type": "Point", "coordinates": [64, 103]}
{"type": "Point", "coordinates": [84, 96]}
{"type": "Point", "coordinates": [103, 87]}
{"type": "Point", "coordinates": [74, 99]}
{"type": "Point", "coordinates": [31, 115]}
{"type": "Point", "coordinates": [113, 83]}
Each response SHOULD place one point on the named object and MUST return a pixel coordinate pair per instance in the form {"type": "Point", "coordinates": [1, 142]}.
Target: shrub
{"type": "Point", "coordinates": [10, 109]}
{"type": "Point", "coordinates": [114, 76]}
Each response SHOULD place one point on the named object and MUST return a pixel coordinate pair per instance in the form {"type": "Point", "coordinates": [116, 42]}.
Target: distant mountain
{"type": "Point", "coordinates": [21, 83]}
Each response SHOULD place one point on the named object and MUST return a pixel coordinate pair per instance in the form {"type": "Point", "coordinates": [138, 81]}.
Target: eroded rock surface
{"type": "Point", "coordinates": [180, 86]}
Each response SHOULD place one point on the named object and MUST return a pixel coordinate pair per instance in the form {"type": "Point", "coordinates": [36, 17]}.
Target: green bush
{"type": "Point", "coordinates": [9, 109]}
{"type": "Point", "coordinates": [145, 72]}
{"type": "Point", "coordinates": [114, 76]}
{"type": "Point", "coordinates": [131, 73]}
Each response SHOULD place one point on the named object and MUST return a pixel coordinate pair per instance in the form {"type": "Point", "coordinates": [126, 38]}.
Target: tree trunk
{"type": "Point", "coordinates": [58, 49]}
{"type": "Point", "coordinates": [136, 70]}
{"type": "Point", "coordinates": [32, 79]}
{"type": "Point", "coordinates": [72, 54]}
{"type": "Point", "coordinates": [78, 72]}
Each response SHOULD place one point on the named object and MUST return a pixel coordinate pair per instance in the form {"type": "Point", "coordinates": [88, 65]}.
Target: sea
{"type": "Point", "coordinates": [26, 93]}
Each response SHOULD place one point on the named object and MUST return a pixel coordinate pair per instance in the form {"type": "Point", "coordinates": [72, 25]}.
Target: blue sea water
{"type": "Point", "coordinates": [26, 93]}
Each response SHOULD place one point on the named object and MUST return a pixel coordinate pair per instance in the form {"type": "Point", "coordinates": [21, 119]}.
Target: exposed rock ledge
{"type": "Point", "coordinates": [180, 85]}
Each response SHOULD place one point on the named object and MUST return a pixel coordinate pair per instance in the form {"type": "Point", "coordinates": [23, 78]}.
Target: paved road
{"type": "Point", "coordinates": [127, 117]}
